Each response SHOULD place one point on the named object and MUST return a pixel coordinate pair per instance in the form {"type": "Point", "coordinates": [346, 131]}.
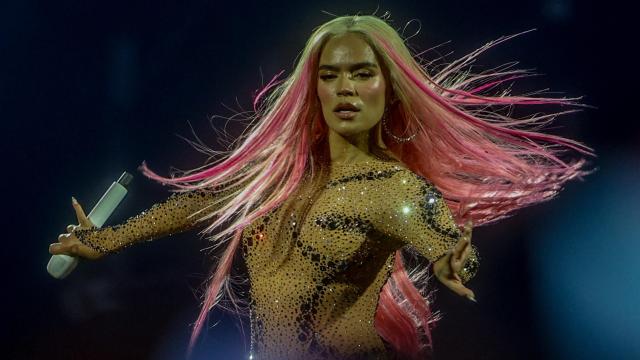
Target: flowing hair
{"type": "Point", "coordinates": [485, 161]}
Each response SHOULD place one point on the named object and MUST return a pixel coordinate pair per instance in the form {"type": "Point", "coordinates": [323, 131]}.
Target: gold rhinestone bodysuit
{"type": "Point", "coordinates": [314, 287]}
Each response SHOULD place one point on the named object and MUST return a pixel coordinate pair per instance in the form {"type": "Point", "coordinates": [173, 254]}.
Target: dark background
{"type": "Point", "coordinates": [90, 89]}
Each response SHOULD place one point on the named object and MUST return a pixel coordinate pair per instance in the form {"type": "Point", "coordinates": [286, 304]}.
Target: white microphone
{"type": "Point", "coordinates": [60, 266]}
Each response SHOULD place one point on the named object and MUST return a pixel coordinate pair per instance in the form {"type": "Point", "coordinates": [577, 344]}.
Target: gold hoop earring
{"type": "Point", "coordinates": [394, 137]}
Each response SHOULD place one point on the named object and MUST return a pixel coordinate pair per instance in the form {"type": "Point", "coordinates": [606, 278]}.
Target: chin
{"type": "Point", "coordinates": [346, 132]}
{"type": "Point", "coordinates": [349, 128]}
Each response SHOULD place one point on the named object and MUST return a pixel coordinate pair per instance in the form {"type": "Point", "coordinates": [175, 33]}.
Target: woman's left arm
{"type": "Point", "coordinates": [415, 212]}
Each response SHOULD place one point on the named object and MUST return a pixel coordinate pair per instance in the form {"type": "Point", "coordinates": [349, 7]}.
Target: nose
{"type": "Point", "coordinates": [345, 87]}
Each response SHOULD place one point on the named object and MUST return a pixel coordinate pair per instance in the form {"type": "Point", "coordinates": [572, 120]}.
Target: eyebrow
{"type": "Point", "coordinates": [351, 67]}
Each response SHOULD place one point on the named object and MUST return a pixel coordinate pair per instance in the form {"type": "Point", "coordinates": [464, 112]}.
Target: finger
{"type": "Point", "coordinates": [460, 246]}
{"type": "Point", "coordinates": [55, 249]}
{"type": "Point", "coordinates": [62, 238]}
{"type": "Point", "coordinates": [465, 253]}
{"type": "Point", "coordinates": [82, 218]}
{"type": "Point", "coordinates": [458, 262]}
{"type": "Point", "coordinates": [74, 249]}
{"type": "Point", "coordinates": [468, 229]}
{"type": "Point", "coordinates": [455, 263]}
{"type": "Point", "coordinates": [60, 249]}
{"type": "Point", "coordinates": [460, 289]}
{"type": "Point", "coordinates": [71, 228]}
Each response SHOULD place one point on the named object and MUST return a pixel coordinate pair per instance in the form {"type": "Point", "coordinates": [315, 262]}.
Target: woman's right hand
{"type": "Point", "coordinates": [68, 243]}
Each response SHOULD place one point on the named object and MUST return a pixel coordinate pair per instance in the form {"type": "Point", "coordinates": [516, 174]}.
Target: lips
{"type": "Point", "coordinates": [346, 111]}
{"type": "Point", "coordinates": [346, 107]}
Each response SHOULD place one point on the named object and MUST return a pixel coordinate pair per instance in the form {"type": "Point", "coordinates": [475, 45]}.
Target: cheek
{"type": "Point", "coordinates": [373, 92]}
{"type": "Point", "coordinates": [324, 95]}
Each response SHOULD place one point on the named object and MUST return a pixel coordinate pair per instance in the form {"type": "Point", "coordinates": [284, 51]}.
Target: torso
{"type": "Point", "coordinates": [315, 288]}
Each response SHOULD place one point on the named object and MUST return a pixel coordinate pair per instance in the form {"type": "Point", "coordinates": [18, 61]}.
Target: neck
{"type": "Point", "coordinates": [350, 149]}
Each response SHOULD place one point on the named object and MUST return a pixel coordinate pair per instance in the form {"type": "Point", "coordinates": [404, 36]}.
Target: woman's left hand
{"type": "Point", "coordinates": [447, 268]}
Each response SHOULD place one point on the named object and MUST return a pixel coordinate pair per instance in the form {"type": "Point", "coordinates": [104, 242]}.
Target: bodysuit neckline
{"type": "Point", "coordinates": [342, 169]}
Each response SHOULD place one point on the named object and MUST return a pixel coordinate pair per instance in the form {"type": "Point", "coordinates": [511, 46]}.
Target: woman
{"type": "Point", "coordinates": [328, 195]}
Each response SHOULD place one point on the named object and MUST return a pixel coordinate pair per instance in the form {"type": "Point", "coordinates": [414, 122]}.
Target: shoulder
{"type": "Point", "coordinates": [413, 199]}
{"type": "Point", "coordinates": [409, 194]}
{"type": "Point", "coordinates": [406, 181]}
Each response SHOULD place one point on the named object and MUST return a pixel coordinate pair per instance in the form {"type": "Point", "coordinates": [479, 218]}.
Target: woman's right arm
{"type": "Point", "coordinates": [176, 214]}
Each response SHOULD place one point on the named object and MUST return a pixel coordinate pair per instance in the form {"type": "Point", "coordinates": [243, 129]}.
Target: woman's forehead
{"type": "Point", "coordinates": [346, 50]}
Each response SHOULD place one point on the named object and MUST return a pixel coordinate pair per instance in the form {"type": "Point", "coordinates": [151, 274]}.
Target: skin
{"type": "Point", "coordinates": [348, 71]}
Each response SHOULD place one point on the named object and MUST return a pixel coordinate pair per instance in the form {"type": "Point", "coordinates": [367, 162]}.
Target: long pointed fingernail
{"type": "Point", "coordinates": [73, 200]}
{"type": "Point", "coordinates": [470, 297]}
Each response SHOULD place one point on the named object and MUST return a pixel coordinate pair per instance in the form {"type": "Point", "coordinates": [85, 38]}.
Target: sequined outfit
{"type": "Point", "coordinates": [315, 287]}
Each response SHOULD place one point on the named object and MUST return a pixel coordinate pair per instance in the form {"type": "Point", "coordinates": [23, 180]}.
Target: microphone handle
{"type": "Point", "coordinates": [60, 266]}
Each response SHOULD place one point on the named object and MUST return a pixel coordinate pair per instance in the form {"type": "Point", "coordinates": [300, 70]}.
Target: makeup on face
{"type": "Point", "coordinates": [351, 86]}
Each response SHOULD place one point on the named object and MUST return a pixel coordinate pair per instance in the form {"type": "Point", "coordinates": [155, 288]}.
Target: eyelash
{"type": "Point", "coordinates": [332, 76]}
{"type": "Point", "coordinates": [367, 75]}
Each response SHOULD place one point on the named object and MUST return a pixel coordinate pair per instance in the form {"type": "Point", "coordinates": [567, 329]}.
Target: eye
{"type": "Point", "coordinates": [363, 75]}
{"type": "Point", "coordinates": [327, 76]}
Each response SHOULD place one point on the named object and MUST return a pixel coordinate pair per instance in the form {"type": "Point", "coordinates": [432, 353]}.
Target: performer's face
{"type": "Point", "coordinates": [351, 85]}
